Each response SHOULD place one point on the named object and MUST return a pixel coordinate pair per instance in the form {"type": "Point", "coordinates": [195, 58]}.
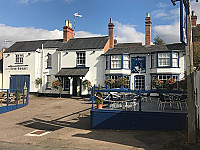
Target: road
{"type": "Point", "coordinates": [69, 123]}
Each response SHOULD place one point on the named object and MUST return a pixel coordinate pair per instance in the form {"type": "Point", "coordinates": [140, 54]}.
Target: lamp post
{"type": "Point", "coordinates": [76, 15]}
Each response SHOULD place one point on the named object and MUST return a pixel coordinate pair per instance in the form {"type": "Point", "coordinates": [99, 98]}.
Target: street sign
{"type": "Point", "coordinates": [184, 21]}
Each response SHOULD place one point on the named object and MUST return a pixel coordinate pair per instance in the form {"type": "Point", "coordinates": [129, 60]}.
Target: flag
{"type": "Point", "coordinates": [77, 15]}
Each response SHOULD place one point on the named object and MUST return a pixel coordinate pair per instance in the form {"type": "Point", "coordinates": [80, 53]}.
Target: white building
{"type": "Point", "coordinates": [72, 60]}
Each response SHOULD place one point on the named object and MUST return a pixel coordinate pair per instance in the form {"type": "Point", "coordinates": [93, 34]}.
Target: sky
{"type": "Point", "coordinates": [23, 20]}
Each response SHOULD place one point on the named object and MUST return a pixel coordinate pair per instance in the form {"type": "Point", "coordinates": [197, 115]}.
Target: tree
{"type": "Point", "coordinates": [158, 41]}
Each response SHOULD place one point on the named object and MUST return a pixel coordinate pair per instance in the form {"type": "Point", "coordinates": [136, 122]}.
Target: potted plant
{"type": "Point", "coordinates": [157, 83]}
{"type": "Point", "coordinates": [121, 81]}
{"type": "Point", "coordinates": [170, 83]}
{"type": "Point", "coordinates": [99, 98]}
{"type": "Point", "coordinates": [86, 84]}
{"type": "Point", "coordinates": [56, 84]}
{"type": "Point", "coordinates": [38, 81]}
{"type": "Point", "coordinates": [109, 82]}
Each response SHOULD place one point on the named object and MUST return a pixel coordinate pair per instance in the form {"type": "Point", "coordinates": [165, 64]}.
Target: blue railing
{"type": "Point", "coordinates": [138, 92]}
{"type": "Point", "coordinates": [11, 99]}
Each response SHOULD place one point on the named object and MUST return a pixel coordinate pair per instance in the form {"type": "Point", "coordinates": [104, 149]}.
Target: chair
{"type": "Point", "coordinates": [163, 100]}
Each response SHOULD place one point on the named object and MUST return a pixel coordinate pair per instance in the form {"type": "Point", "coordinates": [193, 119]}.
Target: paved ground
{"type": "Point", "coordinates": [69, 121]}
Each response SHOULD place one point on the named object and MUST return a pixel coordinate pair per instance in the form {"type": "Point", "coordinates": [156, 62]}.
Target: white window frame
{"type": "Point", "coordinates": [126, 60]}
{"type": "Point", "coordinates": [116, 62]}
{"type": "Point", "coordinates": [49, 60]}
{"type": "Point", "coordinates": [80, 58]}
{"type": "Point", "coordinates": [175, 59]}
{"type": "Point", "coordinates": [139, 82]}
{"type": "Point", "coordinates": [164, 59]}
{"type": "Point", "coordinates": [19, 58]}
{"type": "Point", "coordinates": [48, 82]}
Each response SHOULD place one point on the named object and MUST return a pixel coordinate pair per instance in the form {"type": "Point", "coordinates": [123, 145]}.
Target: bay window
{"type": "Point", "coordinates": [116, 61]}
{"type": "Point", "coordinates": [163, 59]}
{"type": "Point", "coordinates": [126, 61]}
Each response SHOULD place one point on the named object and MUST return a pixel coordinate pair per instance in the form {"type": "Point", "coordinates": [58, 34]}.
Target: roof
{"type": "Point", "coordinates": [127, 45]}
{"type": "Point", "coordinates": [85, 43]}
{"type": "Point", "coordinates": [72, 72]}
{"type": "Point", "coordinates": [146, 49]}
{"type": "Point", "coordinates": [26, 46]}
{"type": "Point", "coordinates": [196, 30]}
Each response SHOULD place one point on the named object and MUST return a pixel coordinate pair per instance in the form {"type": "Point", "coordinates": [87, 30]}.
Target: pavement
{"type": "Point", "coordinates": [68, 121]}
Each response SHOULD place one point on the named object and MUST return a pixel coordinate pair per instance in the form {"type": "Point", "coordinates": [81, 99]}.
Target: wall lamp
{"type": "Point", "coordinates": [7, 55]}
{"type": "Point", "coordinates": [65, 53]}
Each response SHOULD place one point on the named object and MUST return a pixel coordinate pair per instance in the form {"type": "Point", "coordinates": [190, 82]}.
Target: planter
{"type": "Point", "coordinates": [99, 106]}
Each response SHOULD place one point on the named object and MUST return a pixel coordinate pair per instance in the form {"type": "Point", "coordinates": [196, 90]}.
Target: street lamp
{"type": "Point", "coordinates": [76, 15]}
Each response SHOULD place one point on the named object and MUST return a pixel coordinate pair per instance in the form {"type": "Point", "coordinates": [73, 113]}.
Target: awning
{"type": "Point", "coordinates": [72, 72]}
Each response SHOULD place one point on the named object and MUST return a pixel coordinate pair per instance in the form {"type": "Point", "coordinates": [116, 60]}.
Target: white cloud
{"type": "Point", "coordinates": [82, 34]}
{"type": "Point", "coordinates": [169, 33]}
{"type": "Point", "coordinates": [127, 33]}
{"type": "Point", "coordinates": [196, 6]}
{"type": "Point", "coordinates": [24, 1]}
{"type": "Point", "coordinates": [24, 34]}
{"type": "Point", "coordinates": [162, 5]}
{"type": "Point", "coordinates": [166, 15]}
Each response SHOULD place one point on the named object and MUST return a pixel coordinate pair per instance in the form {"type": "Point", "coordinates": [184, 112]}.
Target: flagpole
{"type": "Point", "coordinates": [76, 15]}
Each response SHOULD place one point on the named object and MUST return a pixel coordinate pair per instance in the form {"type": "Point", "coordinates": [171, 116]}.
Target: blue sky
{"type": "Point", "coordinates": [44, 19]}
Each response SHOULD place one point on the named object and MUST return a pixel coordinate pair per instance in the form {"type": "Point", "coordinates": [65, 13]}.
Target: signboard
{"type": "Point", "coordinates": [184, 21]}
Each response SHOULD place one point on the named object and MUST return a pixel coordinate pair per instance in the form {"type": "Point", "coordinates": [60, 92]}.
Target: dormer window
{"type": "Point", "coordinates": [19, 58]}
{"type": "Point", "coordinates": [80, 61]}
{"type": "Point", "coordinates": [49, 61]}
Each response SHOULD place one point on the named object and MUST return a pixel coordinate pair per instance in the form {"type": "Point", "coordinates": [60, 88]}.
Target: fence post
{"type": "Point", "coordinates": [17, 98]}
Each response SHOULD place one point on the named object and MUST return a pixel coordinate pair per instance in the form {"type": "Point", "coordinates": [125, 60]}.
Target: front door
{"type": "Point", "coordinates": [76, 86]}
{"type": "Point", "coordinates": [18, 81]}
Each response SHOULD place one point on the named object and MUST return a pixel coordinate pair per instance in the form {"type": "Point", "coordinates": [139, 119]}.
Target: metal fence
{"type": "Point", "coordinates": [11, 99]}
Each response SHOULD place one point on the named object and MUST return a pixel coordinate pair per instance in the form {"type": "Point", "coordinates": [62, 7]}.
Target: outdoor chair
{"type": "Point", "coordinates": [164, 99]}
{"type": "Point", "coordinates": [1, 97]}
{"type": "Point", "coordinates": [146, 97]}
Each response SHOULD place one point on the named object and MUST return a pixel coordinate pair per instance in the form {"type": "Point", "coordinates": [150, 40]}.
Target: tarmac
{"type": "Point", "coordinates": [68, 123]}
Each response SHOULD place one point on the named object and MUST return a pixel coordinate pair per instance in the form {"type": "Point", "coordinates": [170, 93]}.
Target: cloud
{"type": "Point", "coordinates": [82, 34]}
{"type": "Point", "coordinates": [196, 6]}
{"type": "Point", "coordinates": [25, 33]}
{"type": "Point", "coordinates": [127, 33]}
{"type": "Point", "coordinates": [32, 1]}
{"type": "Point", "coordinates": [165, 14]}
{"type": "Point", "coordinates": [169, 33]}
{"type": "Point", "coordinates": [162, 5]}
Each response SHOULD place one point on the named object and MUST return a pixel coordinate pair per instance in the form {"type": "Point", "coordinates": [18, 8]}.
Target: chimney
{"type": "Point", "coordinates": [194, 19]}
{"type": "Point", "coordinates": [68, 32]}
{"type": "Point", "coordinates": [111, 33]}
{"type": "Point", "coordinates": [148, 30]}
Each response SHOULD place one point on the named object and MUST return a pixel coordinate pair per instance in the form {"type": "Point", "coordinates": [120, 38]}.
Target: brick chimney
{"type": "Point", "coordinates": [194, 19]}
{"type": "Point", "coordinates": [111, 33]}
{"type": "Point", "coordinates": [148, 30]}
{"type": "Point", "coordinates": [68, 32]}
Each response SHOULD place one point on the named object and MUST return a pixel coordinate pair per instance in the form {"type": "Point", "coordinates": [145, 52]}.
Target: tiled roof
{"type": "Point", "coordinates": [146, 49]}
{"type": "Point", "coordinates": [196, 30]}
{"type": "Point", "coordinates": [26, 46]}
{"type": "Point", "coordinates": [85, 43]}
{"type": "Point", "coordinates": [72, 72]}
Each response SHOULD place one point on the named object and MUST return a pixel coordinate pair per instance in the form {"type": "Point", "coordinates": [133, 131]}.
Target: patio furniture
{"type": "Point", "coordinates": [164, 99]}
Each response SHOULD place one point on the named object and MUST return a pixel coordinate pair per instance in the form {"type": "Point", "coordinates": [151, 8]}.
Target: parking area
{"type": "Point", "coordinates": [68, 124]}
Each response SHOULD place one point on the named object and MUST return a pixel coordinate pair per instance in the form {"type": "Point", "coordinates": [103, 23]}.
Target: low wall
{"type": "Point", "coordinates": [137, 120]}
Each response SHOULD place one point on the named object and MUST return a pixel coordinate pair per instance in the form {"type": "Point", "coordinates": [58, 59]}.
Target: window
{"type": "Point", "coordinates": [164, 78]}
{"type": "Point", "coordinates": [115, 77]}
{"type": "Point", "coordinates": [126, 61]}
{"type": "Point", "coordinates": [138, 65]}
{"type": "Point", "coordinates": [48, 83]}
{"type": "Point", "coordinates": [139, 82]}
{"type": "Point", "coordinates": [66, 84]}
{"type": "Point", "coordinates": [19, 58]}
{"type": "Point", "coordinates": [115, 61]}
{"type": "Point", "coordinates": [80, 59]}
{"type": "Point", "coordinates": [174, 59]}
{"type": "Point", "coordinates": [49, 59]}
{"type": "Point", "coordinates": [153, 61]}
{"type": "Point", "coordinates": [163, 59]}
{"type": "Point", "coordinates": [107, 62]}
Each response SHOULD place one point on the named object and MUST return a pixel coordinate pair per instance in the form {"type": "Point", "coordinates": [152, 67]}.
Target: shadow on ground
{"type": "Point", "coordinates": [149, 140]}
